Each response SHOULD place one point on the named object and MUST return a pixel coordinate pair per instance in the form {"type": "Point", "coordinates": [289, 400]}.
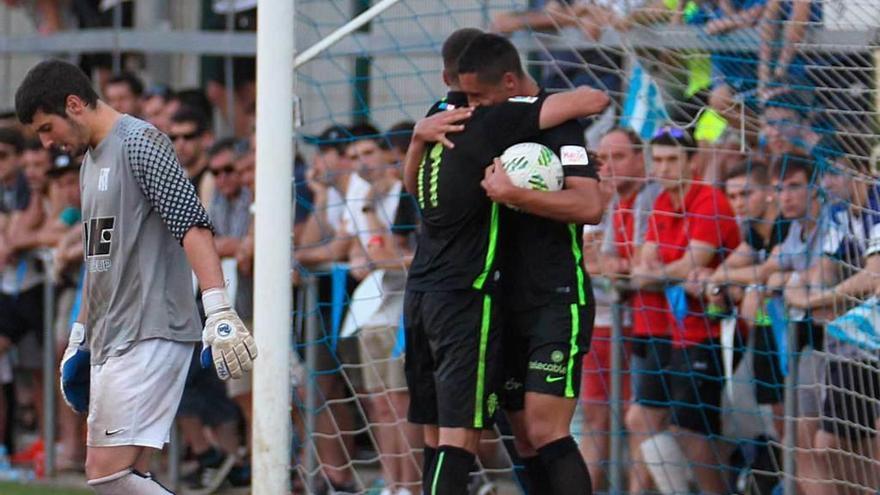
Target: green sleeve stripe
{"type": "Point", "coordinates": [490, 251]}
{"type": "Point", "coordinates": [436, 156]}
{"type": "Point", "coordinates": [421, 183]}
{"type": "Point", "coordinates": [573, 350]}
{"type": "Point", "coordinates": [578, 261]}
{"type": "Point", "coordinates": [437, 473]}
{"type": "Point", "coordinates": [485, 326]}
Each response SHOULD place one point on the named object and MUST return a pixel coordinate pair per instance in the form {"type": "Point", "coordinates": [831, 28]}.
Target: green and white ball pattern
{"type": "Point", "coordinates": [533, 166]}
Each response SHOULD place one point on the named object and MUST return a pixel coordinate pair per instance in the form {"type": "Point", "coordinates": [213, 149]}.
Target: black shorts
{"type": "Point", "coordinates": [766, 364]}
{"type": "Point", "coordinates": [696, 378]}
{"type": "Point", "coordinates": [21, 314]}
{"type": "Point", "coordinates": [852, 399]}
{"type": "Point", "coordinates": [453, 351]}
{"type": "Point", "coordinates": [543, 351]}
{"type": "Point", "coordinates": [649, 363]}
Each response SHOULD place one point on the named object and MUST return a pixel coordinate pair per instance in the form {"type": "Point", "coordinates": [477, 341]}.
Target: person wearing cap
{"type": "Point", "coordinates": [692, 227]}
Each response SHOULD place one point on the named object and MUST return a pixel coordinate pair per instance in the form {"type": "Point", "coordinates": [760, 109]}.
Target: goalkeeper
{"type": "Point", "coordinates": [143, 227]}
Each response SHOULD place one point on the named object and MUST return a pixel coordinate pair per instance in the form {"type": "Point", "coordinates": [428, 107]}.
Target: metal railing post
{"type": "Point", "coordinates": [311, 337]}
{"type": "Point", "coordinates": [48, 363]}
{"type": "Point", "coordinates": [174, 457]}
{"type": "Point", "coordinates": [615, 464]}
{"type": "Point", "coordinates": [789, 485]}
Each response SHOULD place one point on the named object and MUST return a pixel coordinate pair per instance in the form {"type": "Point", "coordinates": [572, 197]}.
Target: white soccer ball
{"type": "Point", "coordinates": [533, 166]}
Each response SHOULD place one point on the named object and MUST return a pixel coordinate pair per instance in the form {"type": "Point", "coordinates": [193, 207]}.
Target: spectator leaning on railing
{"type": "Point", "coordinates": [739, 280]}
{"type": "Point", "coordinates": [851, 386]}
{"type": "Point", "coordinates": [692, 227]}
{"type": "Point", "coordinates": [811, 237]}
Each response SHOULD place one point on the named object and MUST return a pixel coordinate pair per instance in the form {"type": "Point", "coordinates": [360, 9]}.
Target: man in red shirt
{"type": "Point", "coordinates": [621, 155]}
{"type": "Point", "coordinates": [692, 226]}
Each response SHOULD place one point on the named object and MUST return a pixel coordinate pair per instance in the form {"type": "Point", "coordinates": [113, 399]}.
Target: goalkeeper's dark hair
{"type": "Point", "coordinates": [46, 88]}
{"type": "Point", "coordinates": [490, 56]}
{"type": "Point", "coordinates": [754, 169]}
{"type": "Point", "coordinates": [454, 46]}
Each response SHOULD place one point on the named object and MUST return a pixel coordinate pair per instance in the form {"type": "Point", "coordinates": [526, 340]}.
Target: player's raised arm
{"type": "Point", "coordinates": [581, 102]}
{"type": "Point", "coordinates": [431, 129]}
{"type": "Point", "coordinates": [160, 176]}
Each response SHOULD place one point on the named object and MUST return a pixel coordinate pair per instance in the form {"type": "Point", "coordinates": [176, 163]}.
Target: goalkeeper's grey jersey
{"type": "Point", "coordinates": [137, 205]}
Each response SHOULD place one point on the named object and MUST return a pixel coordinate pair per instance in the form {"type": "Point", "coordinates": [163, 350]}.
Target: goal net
{"type": "Point", "coordinates": [766, 372]}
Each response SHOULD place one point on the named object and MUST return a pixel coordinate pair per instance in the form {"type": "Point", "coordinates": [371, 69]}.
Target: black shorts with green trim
{"type": "Point", "coordinates": [543, 351]}
{"type": "Point", "coordinates": [453, 365]}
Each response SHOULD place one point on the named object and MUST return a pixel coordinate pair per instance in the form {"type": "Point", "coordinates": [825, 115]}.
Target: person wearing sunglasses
{"type": "Point", "coordinates": [692, 226]}
{"type": "Point", "coordinates": [189, 133]}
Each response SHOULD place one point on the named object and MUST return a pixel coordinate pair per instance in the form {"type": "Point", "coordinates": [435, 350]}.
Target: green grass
{"type": "Point", "coordinates": [16, 489]}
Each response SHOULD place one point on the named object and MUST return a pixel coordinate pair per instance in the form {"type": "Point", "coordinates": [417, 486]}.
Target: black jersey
{"type": "Point", "coordinates": [762, 248]}
{"type": "Point", "coordinates": [458, 238]}
{"type": "Point", "coordinates": [542, 261]}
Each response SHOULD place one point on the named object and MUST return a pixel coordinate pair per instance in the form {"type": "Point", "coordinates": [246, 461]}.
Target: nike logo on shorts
{"type": "Point", "coordinates": [110, 433]}
{"type": "Point", "coordinates": [551, 379]}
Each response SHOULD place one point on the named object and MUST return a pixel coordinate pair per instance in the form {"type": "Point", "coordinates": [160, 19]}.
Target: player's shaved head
{"type": "Point", "coordinates": [454, 46]}
{"type": "Point", "coordinates": [490, 57]}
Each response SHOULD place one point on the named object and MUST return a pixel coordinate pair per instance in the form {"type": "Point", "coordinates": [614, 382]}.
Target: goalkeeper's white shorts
{"type": "Point", "coordinates": [134, 397]}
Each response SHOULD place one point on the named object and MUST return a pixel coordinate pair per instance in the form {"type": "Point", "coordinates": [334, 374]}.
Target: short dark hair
{"type": "Point", "coordinates": [674, 136]}
{"type": "Point", "coordinates": [132, 81]}
{"type": "Point", "coordinates": [193, 115]}
{"type": "Point", "coordinates": [33, 145]}
{"type": "Point", "coordinates": [454, 46]}
{"type": "Point", "coordinates": [789, 100]}
{"type": "Point", "coordinates": [634, 139]}
{"type": "Point", "coordinates": [46, 88]}
{"type": "Point", "coordinates": [399, 135]}
{"type": "Point", "coordinates": [755, 170]}
{"type": "Point", "coordinates": [12, 137]}
{"type": "Point", "coordinates": [364, 131]}
{"type": "Point", "coordinates": [196, 98]}
{"type": "Point", "coordinates": [490, 56]}
{"type": "Point", "coordinates": [787, 164]}
{"type": "Point", "coordinates": [225, 144]}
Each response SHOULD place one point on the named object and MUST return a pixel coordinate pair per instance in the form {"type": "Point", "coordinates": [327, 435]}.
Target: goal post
{"type": "Point", "coordinates": [272, 287]}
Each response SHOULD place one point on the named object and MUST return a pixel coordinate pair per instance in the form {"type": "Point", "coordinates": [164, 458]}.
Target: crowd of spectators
{"type": "Point", "coordinates": [776, 234]}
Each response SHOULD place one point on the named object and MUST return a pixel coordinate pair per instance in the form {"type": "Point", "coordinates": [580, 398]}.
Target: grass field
{"type": "Point", "coordinates": [16, 489]}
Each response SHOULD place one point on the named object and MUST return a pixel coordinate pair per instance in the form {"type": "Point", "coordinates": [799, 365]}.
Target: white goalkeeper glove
{"type": "Point", "coordinates": [225, 341]}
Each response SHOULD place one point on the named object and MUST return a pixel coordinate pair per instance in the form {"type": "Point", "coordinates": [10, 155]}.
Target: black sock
{"type": "Point", "coordinates": [535, 476]}
{"type": "Point", "coordinates": [566, 467]}
{"type": "Point", "coordinates": [430, 455]}
{"type": "Point", "coordinates": [451, 472]}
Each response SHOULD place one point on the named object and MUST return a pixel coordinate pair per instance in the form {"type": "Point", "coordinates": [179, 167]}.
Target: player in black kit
{"type": "Point", "coordinates": [454, 359]}
{"type": "Point", "coordinates": [547, 305]}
